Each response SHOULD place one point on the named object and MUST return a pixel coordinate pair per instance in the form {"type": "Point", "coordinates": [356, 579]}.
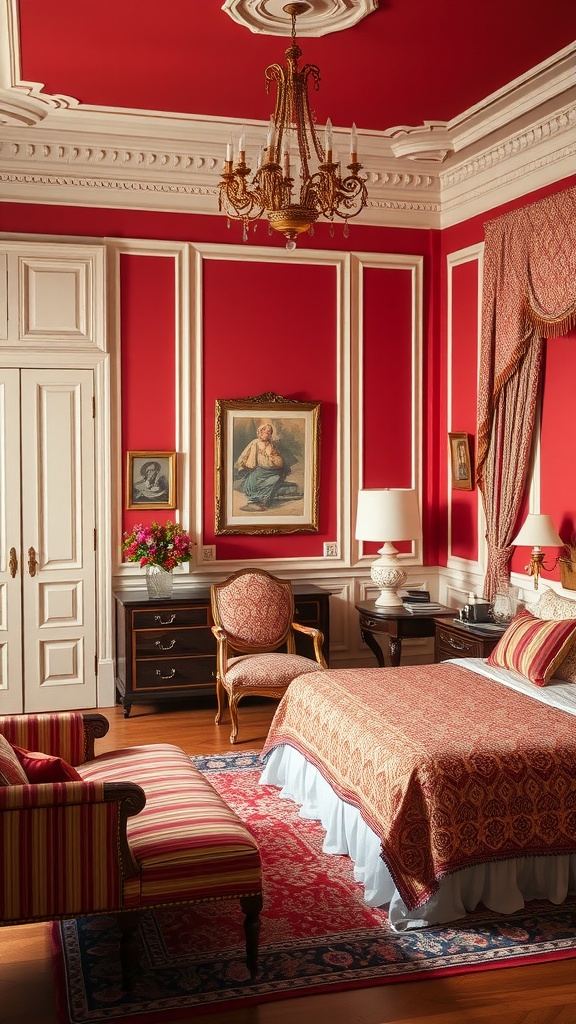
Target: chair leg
{"type": "Point", "coordinates": [234, 718]}
{"type": "Point", "coordinates": [221, 698]}
{"type": "Point", "coordinates": [251, 905]}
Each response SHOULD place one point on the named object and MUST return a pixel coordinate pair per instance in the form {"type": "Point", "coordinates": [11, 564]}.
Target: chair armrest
{"type": "Point", "coordinates": [317, 638]}
{"type": "Point", "coordinates": [63, 848]}
{"type": "Point", "coordinates": [66, 734]}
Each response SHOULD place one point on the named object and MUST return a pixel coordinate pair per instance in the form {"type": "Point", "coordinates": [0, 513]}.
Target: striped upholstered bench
{"type": "Point", "coordinates": [135, 829]}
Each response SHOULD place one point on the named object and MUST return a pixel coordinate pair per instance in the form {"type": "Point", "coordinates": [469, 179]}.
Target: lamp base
{"type": "Point", "coordinates": [388, 575]}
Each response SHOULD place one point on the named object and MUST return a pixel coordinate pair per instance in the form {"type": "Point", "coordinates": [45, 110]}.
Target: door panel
{"type": "Point", "coordinates": [58, 538]}
{"type": "Point", "coordinates": [11, 568]}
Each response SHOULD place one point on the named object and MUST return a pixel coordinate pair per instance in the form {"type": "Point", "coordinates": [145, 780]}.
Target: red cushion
{"type": "Point", "coordinates": [44, 767]}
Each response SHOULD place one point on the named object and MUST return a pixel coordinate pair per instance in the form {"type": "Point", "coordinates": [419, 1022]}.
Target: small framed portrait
{"type": "Point", "coordinates": [461, 462]}
{"type": "Point", "coordinates": [266, 454]}
{"type": "Point", "coordinates": [151, 480]}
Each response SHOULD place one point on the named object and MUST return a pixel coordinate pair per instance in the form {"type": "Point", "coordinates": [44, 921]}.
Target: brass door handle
{"type": "Point", "coordinates": [32, 563]}
{"type": "Point", "coordinates": [13, 562]}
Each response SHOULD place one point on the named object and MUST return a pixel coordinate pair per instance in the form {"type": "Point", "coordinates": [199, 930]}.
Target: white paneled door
{"type": "Point", "coordinates": [47, 541]}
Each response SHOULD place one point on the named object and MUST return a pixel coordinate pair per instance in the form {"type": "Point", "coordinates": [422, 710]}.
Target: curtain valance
{"type": "Point", "coordinates": [529, 288]}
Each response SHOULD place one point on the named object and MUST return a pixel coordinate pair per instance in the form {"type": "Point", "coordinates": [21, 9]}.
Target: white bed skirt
{"type": "Point", "coordinates": [502, 886]}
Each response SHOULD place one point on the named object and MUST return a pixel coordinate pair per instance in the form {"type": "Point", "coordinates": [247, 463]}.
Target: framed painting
{"type": "Point", "coordinates": [266, 465]}
{"type": "Point", "coordinates": [151, 480]}
{"type": "Point", "coordinates": [461, 462]}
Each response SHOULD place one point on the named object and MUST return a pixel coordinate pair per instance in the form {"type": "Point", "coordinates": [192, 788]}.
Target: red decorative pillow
{"type": "Point", "coordinates": [534, 647]}
{"type": "Point", "coordinates": [11, 771]}
{"type": "Point", "coordinates": [45, 767]}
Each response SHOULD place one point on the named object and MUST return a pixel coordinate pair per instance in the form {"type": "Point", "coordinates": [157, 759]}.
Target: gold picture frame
{"type": "Point", "coordinates": [266, 465]}
{"type": "Point", "coordinates": [150, 480]}
{"type": "Point", "coordinates": [461, 461]}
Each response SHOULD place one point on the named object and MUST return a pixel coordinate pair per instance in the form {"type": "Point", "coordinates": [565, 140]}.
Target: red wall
{"type": "Point", "coordinates": [267, 327]}
{"type": "Point", "coordinates": [272, 327]}
{"type": "Point", "coordinates": [148, 364]}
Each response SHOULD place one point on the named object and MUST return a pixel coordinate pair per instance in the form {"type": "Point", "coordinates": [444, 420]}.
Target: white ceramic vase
{"type": "Point", "coordinates": [159, 582]}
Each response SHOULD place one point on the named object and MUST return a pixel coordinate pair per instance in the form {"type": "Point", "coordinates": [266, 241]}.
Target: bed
{"type": "Point", "coordinates": [449, 785]}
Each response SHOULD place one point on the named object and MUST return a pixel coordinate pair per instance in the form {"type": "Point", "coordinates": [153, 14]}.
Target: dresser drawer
{"type": "Point", "coordinates": [307, 613]}
{"type": "Point", "coordinates": [172, 673]}
{"type": "Point", "coordinates": [173, 642]}
{"type": "Point", "coordinates": [168, 615]}
{"type": "Point", "coordinates": [451, 645]}
{"type": "Point", "coordinates": [454, 641]}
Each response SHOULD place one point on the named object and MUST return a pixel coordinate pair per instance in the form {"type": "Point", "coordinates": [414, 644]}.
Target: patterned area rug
{"type": "Point", "coordinates": [317, 933]}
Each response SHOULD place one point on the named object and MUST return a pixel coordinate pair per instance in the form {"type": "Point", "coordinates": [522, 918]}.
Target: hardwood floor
{"type": "Point", "coordinates": [542, 994]}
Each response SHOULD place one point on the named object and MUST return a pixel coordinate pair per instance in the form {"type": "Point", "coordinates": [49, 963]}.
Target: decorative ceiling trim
{"type": "Point", "coordinates": [268, 17]}
{"type": "Point", "coordinates": [54, 150]}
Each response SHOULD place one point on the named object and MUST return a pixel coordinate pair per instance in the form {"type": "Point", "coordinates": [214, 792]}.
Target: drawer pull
{"type": "Point", "coordinates": [165, 647]}
{"type": "Point", "coordinates": [455, 645]}
{"type": "Point", "coordinates": [171, 676]}
{"type": "Point", "coordinates": [165, 622]}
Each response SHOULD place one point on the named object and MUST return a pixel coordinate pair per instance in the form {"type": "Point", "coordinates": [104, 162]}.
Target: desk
{"type": "Point", "coordinates": [395, 623]}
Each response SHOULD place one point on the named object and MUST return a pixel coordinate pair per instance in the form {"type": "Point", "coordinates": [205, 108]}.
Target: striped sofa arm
{"type": "Point", "coordinates": [66, 734]}
{"type": "Point", "coordinates": [63, 848]}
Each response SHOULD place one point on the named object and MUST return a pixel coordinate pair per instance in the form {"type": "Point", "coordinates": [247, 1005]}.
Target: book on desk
{"type": "Point", "coordinates": [422, 607]}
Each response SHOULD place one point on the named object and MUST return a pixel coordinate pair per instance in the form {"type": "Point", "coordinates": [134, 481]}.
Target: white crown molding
{"type": "Point", "coordinates": [54, 150]}
{"type": "Point", "coordinates": [323, 17]}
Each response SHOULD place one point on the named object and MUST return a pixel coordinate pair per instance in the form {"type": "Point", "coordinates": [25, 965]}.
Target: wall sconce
{"type": "Point", "coordinates": [538, 532]}
{"type": "Point", "coordinates": [393, 514]}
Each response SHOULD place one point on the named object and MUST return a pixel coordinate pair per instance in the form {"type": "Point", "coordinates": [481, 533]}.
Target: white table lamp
{"type": "Point", "coordinates": [537, 532]}
{"type": "Point", "coordinates": [390, 514]}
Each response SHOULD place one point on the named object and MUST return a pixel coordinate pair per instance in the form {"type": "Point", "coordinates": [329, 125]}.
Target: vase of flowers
{"type": "Point", "coordinates": [159, 549]}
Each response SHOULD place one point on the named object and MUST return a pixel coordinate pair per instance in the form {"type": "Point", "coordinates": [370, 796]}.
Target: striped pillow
{"type": "Point", "coordinates": [534, 647]}
{"type": "Point", "coordinates": [11, 771]}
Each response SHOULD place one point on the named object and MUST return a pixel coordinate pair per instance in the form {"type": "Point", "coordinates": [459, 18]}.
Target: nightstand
{"type": "Point", "coordinates": [455, 639]}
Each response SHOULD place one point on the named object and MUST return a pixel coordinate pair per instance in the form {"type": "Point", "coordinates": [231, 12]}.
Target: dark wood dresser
{"type": "Point", "coordinates": [165, 649]}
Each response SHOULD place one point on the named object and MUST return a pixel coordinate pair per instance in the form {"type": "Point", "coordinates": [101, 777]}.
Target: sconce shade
{"type": "Point", "coordinates": [388, 514]}
{"type": "Point", "coordinates": [538, 531]}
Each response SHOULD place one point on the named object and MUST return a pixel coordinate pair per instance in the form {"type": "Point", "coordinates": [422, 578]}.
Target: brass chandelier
{"type": "Point", "coordinates": [288, 188]}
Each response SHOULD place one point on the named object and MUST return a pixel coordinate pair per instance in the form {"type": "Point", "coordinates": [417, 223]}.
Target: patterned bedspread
{"type": "Point", "coordinates": [449, 768]}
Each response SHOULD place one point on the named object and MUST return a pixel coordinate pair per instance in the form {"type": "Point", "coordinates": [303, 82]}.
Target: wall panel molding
{"type": "Point", "coordinates": [471, 254]}
{"type": "Point", "coordinates": [413, 265]}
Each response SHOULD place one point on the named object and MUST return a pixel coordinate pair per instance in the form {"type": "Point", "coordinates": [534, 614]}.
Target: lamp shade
{"type": "Point", "coordinates": [387, 514]}
{"type": "Point", "coordinates": [538, 531]}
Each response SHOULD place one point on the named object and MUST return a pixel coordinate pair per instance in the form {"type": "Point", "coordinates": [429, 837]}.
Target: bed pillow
{"type": "Point", "coordinates": [553, 606]}
{"type": "Point", "coordinates": [40, 767]}
{"type": "Point", "coordinates": [11, 771]}
{"type": "Point", "coordinates": [534, 647]}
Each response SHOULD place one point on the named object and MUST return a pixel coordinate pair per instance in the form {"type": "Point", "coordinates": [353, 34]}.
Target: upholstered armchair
{"type": "Point", "coordinates": [253, 614]}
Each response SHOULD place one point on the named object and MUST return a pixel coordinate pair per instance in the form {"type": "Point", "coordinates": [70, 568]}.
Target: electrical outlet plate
{"type": "Point", "coordinates": [331, 549]}
{"type": "Point", "coordinates": [208, 552]}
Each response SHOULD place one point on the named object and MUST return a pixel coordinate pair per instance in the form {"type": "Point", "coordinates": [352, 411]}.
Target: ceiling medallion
{"type": "Point", "coordinates": [322, 17]}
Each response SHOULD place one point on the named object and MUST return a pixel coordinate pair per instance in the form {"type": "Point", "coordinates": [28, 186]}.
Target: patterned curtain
{"type": "Point", "coordinates": [529, 293]}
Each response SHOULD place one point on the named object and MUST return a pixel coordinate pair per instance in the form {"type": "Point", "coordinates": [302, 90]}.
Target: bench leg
{"type": "Point", "coordinates": [251, 905]}
{"type": "Point", "coordinates": [128, 925]}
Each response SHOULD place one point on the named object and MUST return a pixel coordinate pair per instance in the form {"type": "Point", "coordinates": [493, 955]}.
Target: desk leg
{"type": "Point", "coordinates": [395, 650]}
{"type": "Point", "coordinates": [374, 646]}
